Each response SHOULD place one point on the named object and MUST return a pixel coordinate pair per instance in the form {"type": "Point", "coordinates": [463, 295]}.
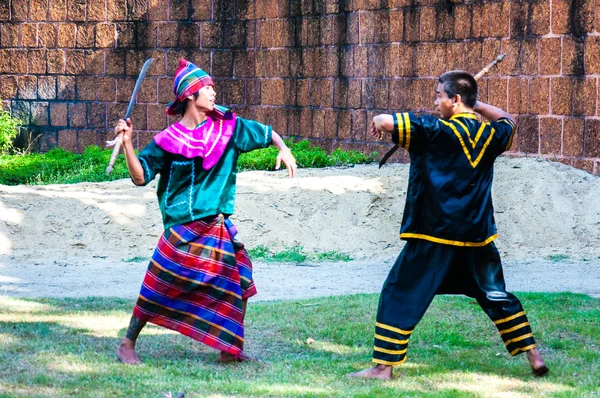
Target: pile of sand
{"type": "Point", "coordinates": [95, 239]}
{"type": "Point", "coordinates": [542, 208]}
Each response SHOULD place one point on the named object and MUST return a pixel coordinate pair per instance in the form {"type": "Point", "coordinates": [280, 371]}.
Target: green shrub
{"type": "Point", "coordinates": [295, 254]}
{"type": "Point", "coordinates": [59, 166]}
{"type": "Point", "coordinates": [9, 129]}
{"type": "Point", "coordinates": [307, 156]}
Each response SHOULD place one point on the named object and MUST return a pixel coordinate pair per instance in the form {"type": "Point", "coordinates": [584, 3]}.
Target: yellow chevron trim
{"type": "Point", "coordinates": [382, 362]}
{"type": "Point", "coordinates": [519, 326]}
{"type": "Point", "coordinates": [478, 135]}
{"type": "Point", "coordinates": [193, 316]}
{"type": "Point", "coordinates": [462, 143]}
{"type": "Point", "coordinates": [389, 339]}
{"type": "Point", "coordinates": [393, 352]}
{"type": "Point", "coordinates": [461, 124]}
{"type": "Point", "coordinates": [484, 148]}
{"type": "Point", "coordinates": [393, 329]}
{"type": "Point", "coordinates": [464, 147]}
{"type": "Point", "coordinates": [448, 242]}
{"type": "Point", "coordinates": [510, 318]}
{"type": "Point", "coordinates": [194, 281]}
{"type": "Point", "coordinates": [507, 342]}
{"type": "Point", "coordinates": [523, 349]}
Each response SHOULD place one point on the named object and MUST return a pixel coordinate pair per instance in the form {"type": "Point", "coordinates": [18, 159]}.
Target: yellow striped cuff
{"type": "Point", "coordinates": [382, 362]}
{"type": "Point", "coordinates": [525, 336]}
{"type": "Point", "coordinates": [393, 329]}
{"type": "Point", "coordinates": [521, 349]}
{"type": "Point", "coordinates": [392, 352]}
{"type": "Point", "coordinates": [510, 318]}
{"type": "Point", "coordinates": [519, 326]}
{"type": "Point", "coordinates": [390, 340]}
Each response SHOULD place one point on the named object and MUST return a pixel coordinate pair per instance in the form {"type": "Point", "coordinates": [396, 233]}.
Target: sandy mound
{"type": "Point", "coordinates": [95, 239]}
{"type": "Point", "coordinates": [542, 208]}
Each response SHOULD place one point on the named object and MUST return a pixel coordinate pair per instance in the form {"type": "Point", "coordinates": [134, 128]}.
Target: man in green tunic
{"type": "Point", "coordinates": [200, 277]}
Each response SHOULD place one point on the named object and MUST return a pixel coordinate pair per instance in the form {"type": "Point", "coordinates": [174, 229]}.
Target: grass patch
{"type": "Point", "coordinates": [65, 347]}
{"type": "Point", "coordinates": [296, 254]}
{"type": "Point", "coordinates": [556, 258]}
{"type": "Point", "coordinates": [135, 259]}
{"type": "Point", "coordinates": [59, 166]}
{"type": "Point", "coordinates": [306, 155]}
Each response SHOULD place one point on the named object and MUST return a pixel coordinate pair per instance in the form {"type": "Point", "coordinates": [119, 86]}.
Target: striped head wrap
{"type": "Point", "coordinates": [188, 80]}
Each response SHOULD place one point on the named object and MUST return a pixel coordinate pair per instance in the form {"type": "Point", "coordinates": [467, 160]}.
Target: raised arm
{"type": "Point", "coordinates": [133, 164]}
{"type": "Point", "coordinates": [491, 113]}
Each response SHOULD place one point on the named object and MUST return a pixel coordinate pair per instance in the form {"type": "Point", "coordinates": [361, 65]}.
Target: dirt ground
{"type": "Point", "coordinates": [94, 239]}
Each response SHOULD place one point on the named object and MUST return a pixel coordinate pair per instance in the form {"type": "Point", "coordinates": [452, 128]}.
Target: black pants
{"type": "Point", "coordinates": [424, 269]}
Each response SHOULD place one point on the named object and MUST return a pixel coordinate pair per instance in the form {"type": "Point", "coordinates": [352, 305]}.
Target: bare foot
{"type": "Point", "coordinates": [225, 357]}
{"type": "Point", "coordinates": [538, 366]}
{"type": "Point", "coordinates": [381, 372]}
{"type": "Point", "coordinates": [126, 353]}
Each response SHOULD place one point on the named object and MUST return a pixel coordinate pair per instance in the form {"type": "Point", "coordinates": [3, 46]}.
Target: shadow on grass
{"type": "Point", "coordinates": [55, 347]}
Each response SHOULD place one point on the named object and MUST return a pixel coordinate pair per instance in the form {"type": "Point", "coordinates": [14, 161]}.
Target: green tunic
{"type": "Point", "coordinates": [186, 191]}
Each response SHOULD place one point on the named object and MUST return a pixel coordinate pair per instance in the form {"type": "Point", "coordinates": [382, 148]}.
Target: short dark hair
{"type": "Point", "coordinates": [461, 83]}
{"type": "Point", "coordinates": [181, 108]}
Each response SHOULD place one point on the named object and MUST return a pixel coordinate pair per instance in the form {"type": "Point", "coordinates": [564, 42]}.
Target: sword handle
{"type": "Point", "coordinates": [485, 70]}
{"type": "Point", "coordinates": [115, 153]}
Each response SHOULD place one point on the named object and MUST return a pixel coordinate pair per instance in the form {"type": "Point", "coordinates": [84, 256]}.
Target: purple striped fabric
{"type": "Point", "coordinates": [196, 282]}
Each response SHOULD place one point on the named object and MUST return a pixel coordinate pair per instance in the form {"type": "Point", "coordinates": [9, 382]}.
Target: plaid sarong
{"type": "Point", "coordinates": [196, 281]}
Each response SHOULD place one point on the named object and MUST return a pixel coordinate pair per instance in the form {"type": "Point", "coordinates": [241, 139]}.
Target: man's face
{"type": "Point", "coordinates": [443, 104]}
{"type": "Point", "coordinates": [206, 99]}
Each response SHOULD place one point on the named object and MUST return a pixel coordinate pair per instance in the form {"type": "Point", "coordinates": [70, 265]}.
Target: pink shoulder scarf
{"type": "Point", "coordinates": [207, 141]}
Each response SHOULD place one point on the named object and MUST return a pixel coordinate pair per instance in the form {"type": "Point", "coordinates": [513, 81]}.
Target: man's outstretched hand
{"type": "Point", "coordinates": [285, 156]}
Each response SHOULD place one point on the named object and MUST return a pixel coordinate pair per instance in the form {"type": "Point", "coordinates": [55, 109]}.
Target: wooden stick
{"type": "Point", "coordinates": [485, 70]}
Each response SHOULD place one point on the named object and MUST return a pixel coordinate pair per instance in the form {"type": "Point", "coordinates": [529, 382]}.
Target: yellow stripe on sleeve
{"type": "Point", "coordinates": [408, 132]}
{"type": "Point", "coordinates": [400, 129]}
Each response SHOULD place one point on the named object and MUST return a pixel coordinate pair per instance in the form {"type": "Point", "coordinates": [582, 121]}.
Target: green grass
{"type": "Point", "coordinates": [59, 166]}
{"type": "Point", "coordinates": [296, 254]}
{"type": "Point", "coordinates": [556, 258]}
{"type": "Point", "coordinates": [135, 259]}
{"type": "Point", "coordinates": [65, 347]}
